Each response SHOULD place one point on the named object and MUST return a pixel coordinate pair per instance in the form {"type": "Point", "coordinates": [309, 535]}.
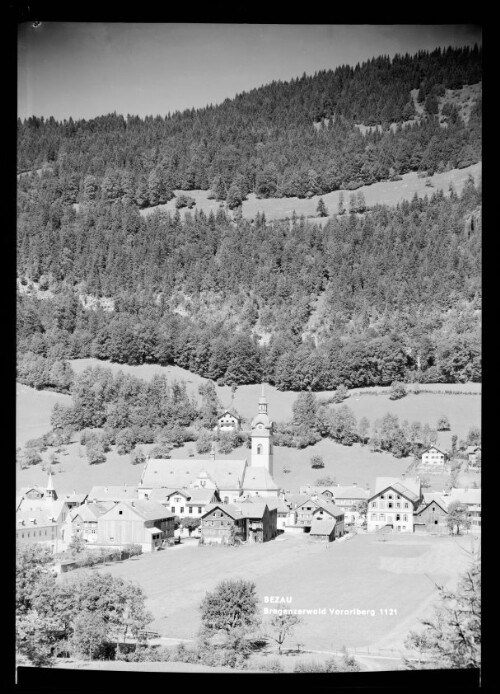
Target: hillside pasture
{"type": "Point", "coordinates": [33, 409]}
{"type": "Point", "coordinates": [381, 193]}
{"type": "Point", "coordinates": [463, 411]}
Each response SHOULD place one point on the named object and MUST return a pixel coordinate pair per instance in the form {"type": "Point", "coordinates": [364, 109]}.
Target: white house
{"type": "Point", "coordinates": [41, 517]}
{"type": "Point", "coordinates": [434, 457]}
{"type": "Point", "coordinates": [470, 498]}
{"type": "Point", "coordinates": [393, 504]}
{"type": "Point", "coordinates": [228, 421]}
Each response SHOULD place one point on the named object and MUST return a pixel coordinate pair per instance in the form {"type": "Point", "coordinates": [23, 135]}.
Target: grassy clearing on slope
{"type": "Point", "coordinates": [383, 193]}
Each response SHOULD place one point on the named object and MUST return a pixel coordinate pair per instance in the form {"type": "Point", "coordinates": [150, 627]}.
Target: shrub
{"type": "Point", "coordinates": [317, 461]}
{"type": "Point", "coordinates": [398, 390]}
{"type": "Point", "coordinates": [443, 423]}
{"type": "Point", "coordinates": [204, 442]}
{"type": "Point", "coordinates": [137, 456]}
{"type": "Point", "coordinates": [125, 441]}
{"type": "Point", "coordinates": [340, 394]}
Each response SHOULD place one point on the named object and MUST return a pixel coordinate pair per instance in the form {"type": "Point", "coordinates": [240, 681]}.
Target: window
{"type": "Point", "coordinates": [382, 516]}
{"type": "Point", "coordinates": [226, 499]}
{"type": "Point", "coordinates": [398, 516]}
{"type": "Point", "coordinates": [199, 509]}
{"type": "Point", "coordinates": [398, 504]}
{"type": "Point", "coordinates": [190, 509]}
{"type": "Point", "coordinates": [181, 509]}
{"type": "Point", "coordinates": [374, 504]}
{"type": "Point", "coordinates": [374, 516]}
{"type": "Point", "coordinates": [120, 513]}
{"type": "Point", "coordinates": [172, 508]}
{"type": "Point", "coordinates": [406, 504]}
{"type": "Point", "coordinates": [433, 508]}
{"type": "Point", "coordinates": [435, 522]}
{"type": "Point", "coordinates": [389, 505]}
{"type": "Point", "coordinates": [382, 496]}
{"type": "Point", "coordinates": [259, 449]}
{"type": "Point", "coordinates": [405, 517]}
{"type": "Point", "coordinates": [177, 499]}
{"type": "Point", "coordinates": [390, 496]}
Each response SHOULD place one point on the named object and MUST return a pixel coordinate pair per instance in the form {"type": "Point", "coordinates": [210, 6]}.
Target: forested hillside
{"type": "Point", "coordinates": [395, 293]}
{"type": "Point", "coordinates": [265, 141]}
{"type": "Point", "coordinates": [369, 298]}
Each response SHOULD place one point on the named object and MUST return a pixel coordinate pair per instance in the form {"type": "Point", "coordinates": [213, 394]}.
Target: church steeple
{"type": "Point", "coordinates": [50, 492]}
{"type": "Point", "coordinates": [262, 437]}
{"type": "Point", "coordinates": [262, 402]}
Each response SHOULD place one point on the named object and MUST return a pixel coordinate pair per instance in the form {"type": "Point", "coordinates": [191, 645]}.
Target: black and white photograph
{"type": "Point", "coordinates": [248, 348]}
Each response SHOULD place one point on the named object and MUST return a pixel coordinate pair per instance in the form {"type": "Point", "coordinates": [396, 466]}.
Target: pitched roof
{"type": "Point", "coordinates": [233, 414]}
{"type": "Point", "coordinates": [350, 492]}
{"type": "Point", "coordinates": [232, 510]}
{"type": "Point", "coordinates": [435, 448]}
{"type": "Point", "coordinates": [199, 497]}
{"type": "Point", "coordinates": [322, 526]}
{"type": "Point", "coordinates": [113, 493]}
{"type": "Point", "coordinates": [47, 505]}
{"type": "Point", "coordinates": [433, 498]}
{"type": "Point", "coordinates": [78, 498]}
{"type": "Point", "coordinates": [254, 510]}
{"type": "Point", "coordinates": [258, 478]}
{"type": "Point", "coordinates": [472, 449]}
{"type": "Point", "coordinates": [295, 499]}
{"type": "Point", "coordinates": [329, 507]}
{"type": "Point", "coordinates": [178, 472]}
{"type": "Point", "coordinates": [162, 495]}
{"type": "Point", "coordinates": [411, 484]}
{"type": "Point", "coordinates": [42, 517]}
{"type": "Point", "coordinates": [90, 512]}
{"type": "Point", "coordinates": [148, 510]}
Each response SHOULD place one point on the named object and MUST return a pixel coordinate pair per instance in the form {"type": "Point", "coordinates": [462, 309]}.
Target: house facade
{"type": "Point", "coordinates": [248, 522]}
{"type": "Point", "coordinates": [141, 522]}
{"type": "Point", "coordinates": [228, 421]}
{"type": "Point", "coordinates": [432, 514]}
{"type": "Point", "coordinates": [394, 504]}
{"type": "Point", "coordinates": [82, 520]}
{"type": "Point", "coordinates": [472, 499]}
{"type": "Point", "coordinates": [474, 455]}
{"type": "Point", "coordinates": [318, 508]}
{"type": "Point", "coordinates": [434, 457]}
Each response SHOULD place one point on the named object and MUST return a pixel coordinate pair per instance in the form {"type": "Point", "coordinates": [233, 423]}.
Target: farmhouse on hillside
{"type": "Point", "coordinates": [228, 421]}
{"type": "Point", "coordinates": [433, 457]}
{"type": "Point", "coordinates": [393, 504]}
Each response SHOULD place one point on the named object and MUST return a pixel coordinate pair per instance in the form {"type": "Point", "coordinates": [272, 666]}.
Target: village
{"type": "Point", "coordinates": [236, 502]}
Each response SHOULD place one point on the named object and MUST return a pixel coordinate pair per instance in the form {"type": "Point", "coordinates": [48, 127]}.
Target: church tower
{"type": "Point", "coordinates": [50, 492]}
{"type": "Point", "coordinates": [262, 437]}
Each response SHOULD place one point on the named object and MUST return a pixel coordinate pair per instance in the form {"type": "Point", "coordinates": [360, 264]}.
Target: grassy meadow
{"type": "Point", "coordinates": [382, 193]}
{"type": "Point", "coordinates": [362, 572]}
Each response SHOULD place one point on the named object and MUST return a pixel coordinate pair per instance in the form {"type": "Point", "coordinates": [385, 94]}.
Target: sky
{"type": "Point", "coordinates": [84, 69]}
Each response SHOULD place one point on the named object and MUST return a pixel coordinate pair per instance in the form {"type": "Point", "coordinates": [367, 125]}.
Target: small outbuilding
{"type": "Point", "coordinates": [323, 529]}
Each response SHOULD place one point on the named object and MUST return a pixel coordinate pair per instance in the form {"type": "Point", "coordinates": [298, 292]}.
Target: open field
{"type": "Point", "coordinates": [383, 193]}
{"type": "Point", "coordinates": [360, 573]}
{"type": "Point", "coordinates": [33, 408]}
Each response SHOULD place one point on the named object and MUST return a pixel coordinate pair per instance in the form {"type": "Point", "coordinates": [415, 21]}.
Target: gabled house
{"type": "Point", "coordinates": [431, 516]}
{"type": "Point", "coordinates": [83, 519]}
{"type": "Point", "coordinates": [317, 507]}
{"type": "Point", "coordinates": [228, 421]}
{"type": "Point", "coordinates": [140, 521]}
{"type": "Point", "coordinates": [324, 529]}
{"type": "Point", "coordinates": [249, 522]}
{"type": "Point", "coordinates": [433, 457]}
{"type": "Point", "coordinates": [73, 500]}
{"type": "Point", "coordinates": [394, 503]}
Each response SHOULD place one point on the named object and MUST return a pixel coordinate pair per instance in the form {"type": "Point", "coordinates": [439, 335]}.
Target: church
{"type": "Point", "coordinates": [233, 480]}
